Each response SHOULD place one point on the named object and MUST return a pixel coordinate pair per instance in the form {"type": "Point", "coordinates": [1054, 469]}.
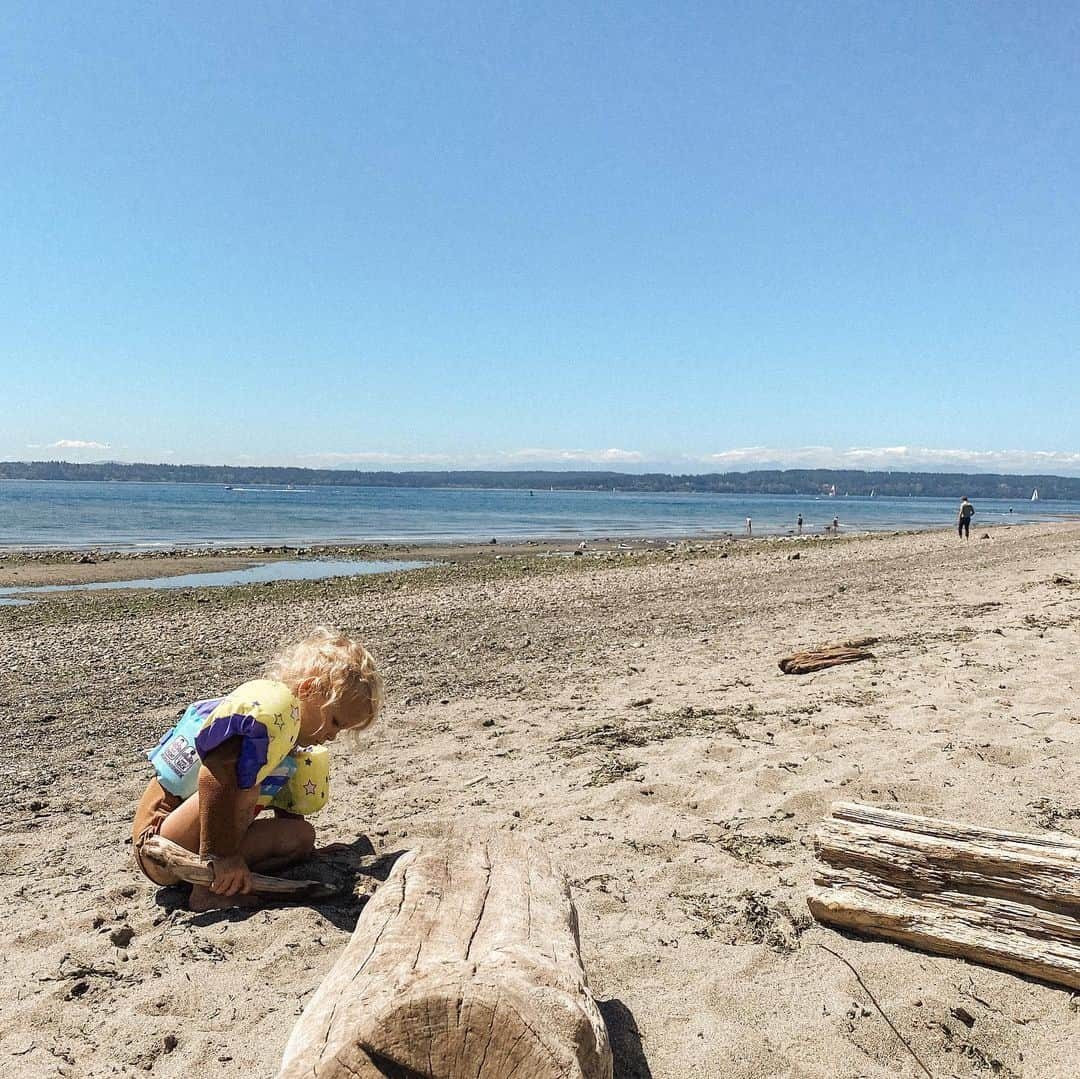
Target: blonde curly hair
{"type": "Point", "coordinates": [336, 662]}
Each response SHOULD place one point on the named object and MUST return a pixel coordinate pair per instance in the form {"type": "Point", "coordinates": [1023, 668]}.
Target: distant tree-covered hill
{"type": "Point", "coordinates": [795, 481]}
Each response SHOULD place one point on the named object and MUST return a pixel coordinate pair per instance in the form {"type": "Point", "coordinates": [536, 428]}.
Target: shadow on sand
{"type": "Point", "coordinates": [630, 1062]}
{"type": "Point", "coordinates": [353, 869]}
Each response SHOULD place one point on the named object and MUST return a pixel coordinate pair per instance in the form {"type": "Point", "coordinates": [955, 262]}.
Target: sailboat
{"type": "Point", "coordinates": [1035, 495]}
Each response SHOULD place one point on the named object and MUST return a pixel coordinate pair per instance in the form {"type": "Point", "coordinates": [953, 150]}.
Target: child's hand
{"type": "Point", "coordinates": [231, 876]}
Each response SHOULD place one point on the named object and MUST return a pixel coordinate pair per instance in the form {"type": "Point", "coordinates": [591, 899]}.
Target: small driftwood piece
{"type": "Point", "coordinates": [195, 869]}
{"type": "Point", "coordinates": [464, 965]}
{"type": "Point", "coordinates": [1006, 899]}
{"type": "Point", "coordinates": [828, 655]}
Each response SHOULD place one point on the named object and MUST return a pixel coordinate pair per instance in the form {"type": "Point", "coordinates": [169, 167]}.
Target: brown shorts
{"type": "Point", "coordinates": [156, 804]}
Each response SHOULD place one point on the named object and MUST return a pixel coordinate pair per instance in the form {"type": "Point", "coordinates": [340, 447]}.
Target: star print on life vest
{"type": "Point", "coordinates": [309, 787]}
{"type": "Point", "coordinates": [279, 721]}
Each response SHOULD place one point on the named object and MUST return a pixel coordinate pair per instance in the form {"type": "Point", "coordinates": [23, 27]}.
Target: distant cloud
{"type": "Point", "coordinates": [895, 458]}
{"type": "Point", "coordinates": [382, 460]}
{"type": "Point", "coordinates": [72, 444]}
{"type": "Point", "coordinates": [533, 457]}
{"type": "Point", "coordinates": [578, 457]}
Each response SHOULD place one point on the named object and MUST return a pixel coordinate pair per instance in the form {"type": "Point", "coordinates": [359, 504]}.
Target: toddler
{"type": "Point", "coordinates": [261, 747]}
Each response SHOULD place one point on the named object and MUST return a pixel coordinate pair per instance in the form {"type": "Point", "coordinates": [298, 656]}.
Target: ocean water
{"type": "Point", "coordinates": [119, 516]}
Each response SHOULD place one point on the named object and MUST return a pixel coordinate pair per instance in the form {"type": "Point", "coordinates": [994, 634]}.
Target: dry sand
{"type": "Point", "coordinates": [623, 707]}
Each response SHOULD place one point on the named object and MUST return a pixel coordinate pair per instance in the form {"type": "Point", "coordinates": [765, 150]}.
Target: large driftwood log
{"type": "Point", "coordinates": [1006, 899]}
{"type": "Point", "coordinates": [827, 655]}
{"type": "Point", "coordinates": [195, 869]}
{"type": "Point", "coordinates": [465, 965]}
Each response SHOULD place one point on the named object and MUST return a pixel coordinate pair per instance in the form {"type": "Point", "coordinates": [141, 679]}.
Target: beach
{"type": "Point", "coordinates": [622, 705]}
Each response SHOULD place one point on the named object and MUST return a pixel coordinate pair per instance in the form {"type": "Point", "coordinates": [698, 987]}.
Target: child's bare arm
{"type": "Point", "coordinates": [225, 811]}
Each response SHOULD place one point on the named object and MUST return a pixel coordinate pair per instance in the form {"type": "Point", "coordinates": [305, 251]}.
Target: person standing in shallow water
{"type": "Point", "coordinates": [798, 523]}
{"type": "Point", "coordinates": [963, 518]}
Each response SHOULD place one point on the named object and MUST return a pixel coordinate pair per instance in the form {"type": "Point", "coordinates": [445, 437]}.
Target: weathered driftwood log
{"type": "Point", "coordinates": [464, 965]}
{"type": "Point", "coordinates": [1006, 899]}
{"type": "Point", "coordinates": [195, 869]}
{"type": "Point", "coordinates": [828, 655]}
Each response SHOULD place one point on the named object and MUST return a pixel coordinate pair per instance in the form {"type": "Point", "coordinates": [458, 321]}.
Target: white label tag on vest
{"type": "Point", "coordinates": [180, 755]}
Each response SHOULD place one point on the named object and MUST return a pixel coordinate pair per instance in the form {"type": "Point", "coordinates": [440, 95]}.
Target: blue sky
{"type": "Point", "coordinates": [693, 236]}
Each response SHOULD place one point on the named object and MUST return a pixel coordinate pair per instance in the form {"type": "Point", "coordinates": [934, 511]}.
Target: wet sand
{"type": "Point", "coordinates": [60, 567]}
{"type": "Point", "coordinates": [624, 707]}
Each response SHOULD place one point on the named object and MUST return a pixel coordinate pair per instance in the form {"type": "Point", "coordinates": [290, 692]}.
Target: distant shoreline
{"type": "Point", "coordinates": [463, 549]}
{"type": "Point", "coordinates": [774, 482]}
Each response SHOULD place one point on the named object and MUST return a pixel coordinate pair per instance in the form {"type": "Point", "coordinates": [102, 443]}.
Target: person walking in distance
{"type": "Point", "coordinates": [963, 518]}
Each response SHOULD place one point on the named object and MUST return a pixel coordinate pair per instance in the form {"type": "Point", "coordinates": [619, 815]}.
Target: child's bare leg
{"type": "Point", "coordinates": [268, 844]}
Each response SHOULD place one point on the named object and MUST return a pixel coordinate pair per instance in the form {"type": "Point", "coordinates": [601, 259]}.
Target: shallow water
{"type": "Point", "coordinates": [314, 570]}
{"type": "Point", "coordinates": [118, 516]}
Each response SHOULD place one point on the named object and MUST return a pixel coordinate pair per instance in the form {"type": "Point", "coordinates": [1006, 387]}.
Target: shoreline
{"type": "Point", "coordinates": [78, 565]}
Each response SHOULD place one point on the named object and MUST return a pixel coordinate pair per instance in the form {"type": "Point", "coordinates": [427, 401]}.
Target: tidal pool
{"type": "Point", "coordinates": [308, 570]}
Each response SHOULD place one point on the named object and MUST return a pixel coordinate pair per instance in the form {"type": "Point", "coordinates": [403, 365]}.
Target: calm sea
{"type": "Point", "coordinates": [127, 515]}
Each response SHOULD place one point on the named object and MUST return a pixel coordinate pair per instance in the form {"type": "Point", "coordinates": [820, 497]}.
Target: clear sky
{"type": "Point", "coordinates": [697, 236]}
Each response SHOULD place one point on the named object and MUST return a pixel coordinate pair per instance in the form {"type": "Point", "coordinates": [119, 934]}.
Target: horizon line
{"type": "Point", "coordinates": [520, 469]}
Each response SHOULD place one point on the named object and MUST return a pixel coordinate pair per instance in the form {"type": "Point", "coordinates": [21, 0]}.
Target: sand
{"type": "Point", "coordinates": [625, 708]}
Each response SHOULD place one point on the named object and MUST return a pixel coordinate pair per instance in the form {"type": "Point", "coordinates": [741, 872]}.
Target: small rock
{"type": "Point", "coordinates": [489, 722]}
{"type": "Point", "coordinates": [170, 1043]}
